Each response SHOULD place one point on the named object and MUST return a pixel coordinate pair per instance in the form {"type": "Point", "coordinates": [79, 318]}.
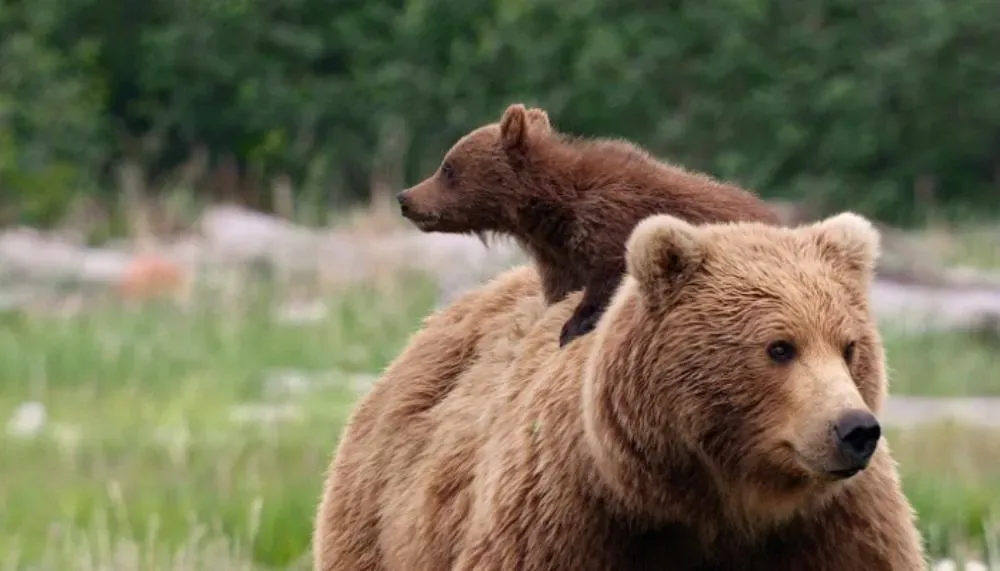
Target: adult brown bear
{"type": "Point", "coordinates": [721, 417]}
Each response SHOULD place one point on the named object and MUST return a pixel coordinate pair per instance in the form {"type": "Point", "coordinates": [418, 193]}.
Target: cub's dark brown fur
{"type": "Point", "coordinates": [569, 202]}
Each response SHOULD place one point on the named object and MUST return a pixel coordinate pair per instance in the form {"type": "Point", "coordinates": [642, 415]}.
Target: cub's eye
{"type": "Point", "coordinates": [849, 352]}
{"type": "Point", "coordinates": [781, 351]}
{"type": "Point", "coordinates": [448, 171]}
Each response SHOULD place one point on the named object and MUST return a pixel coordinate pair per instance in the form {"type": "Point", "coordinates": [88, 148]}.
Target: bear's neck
{"type": "Point", "coordinates": [557, 171]}
{"type": "Point", "coordinates": [650, 474]}
{"type": "Point", "coordinates": [546, 217]}
{"type": "Point", "coordinates": [668, 487]}
{"type": "Point", "coordinates": [583, 166]}
{"type": "Point", "coordinates": [544, 220]}
{"type": "Point", "coordinates": [558, 175]}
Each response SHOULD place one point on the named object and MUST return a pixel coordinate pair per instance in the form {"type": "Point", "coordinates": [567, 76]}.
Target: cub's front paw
{"type": "Point", "coordinates": [577, 326]}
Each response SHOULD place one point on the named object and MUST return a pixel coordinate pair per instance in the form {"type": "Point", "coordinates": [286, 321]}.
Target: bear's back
{"type": "Point", "coordinates": [622, 183]}
{"type": "Point", "coordinates": [396, 488]}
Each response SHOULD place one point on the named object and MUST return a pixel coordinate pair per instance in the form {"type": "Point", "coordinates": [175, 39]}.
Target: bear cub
{"type": "Point", "coordinates": [569, 202]}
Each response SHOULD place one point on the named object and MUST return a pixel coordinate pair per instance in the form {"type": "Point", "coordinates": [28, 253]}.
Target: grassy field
{"type": "Point", "coordinates": [154, 456]}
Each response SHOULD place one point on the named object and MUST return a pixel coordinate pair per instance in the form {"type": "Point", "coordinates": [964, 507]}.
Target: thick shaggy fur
{"type": "Point", "coordinates": [670, 439]}
{"type": "Point", "coordinates": [571, 203]}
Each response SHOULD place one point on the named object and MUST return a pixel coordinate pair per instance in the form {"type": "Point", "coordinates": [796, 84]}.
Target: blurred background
{"type": "Point", "coordinates": [201, 267]}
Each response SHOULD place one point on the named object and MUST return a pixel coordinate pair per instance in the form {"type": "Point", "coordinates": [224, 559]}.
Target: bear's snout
{"type": "Point", "coordinates": [404, 204]}
{"type": "Point", "coordinates": [857, 433]}
{"type": "Point", "coordinates": [422, 219]}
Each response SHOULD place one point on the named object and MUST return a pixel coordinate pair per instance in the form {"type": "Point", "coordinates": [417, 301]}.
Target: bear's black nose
{"type": "Point", "coordinates": [404, 206]}
{"type": "Point", "coordinates": [857, 433]}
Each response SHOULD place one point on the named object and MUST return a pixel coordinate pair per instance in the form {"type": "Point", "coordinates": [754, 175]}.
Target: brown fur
{"type": "Point", "coordinates": [668, 440]}
{"type": "Point", "coordinates": [570, 203]}
{"type": "Point", "coordinates": [393, 437]}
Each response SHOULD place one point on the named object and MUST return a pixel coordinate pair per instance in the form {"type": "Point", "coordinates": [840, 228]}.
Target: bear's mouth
{"type": "Point", "coordinates": [824, 472]}
{"type": "Point", "coordinates": [422, 220]}
{"type": "Point", "coordinates": [845, 473]}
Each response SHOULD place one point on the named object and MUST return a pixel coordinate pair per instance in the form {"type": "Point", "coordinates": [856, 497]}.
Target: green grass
{"type": "Point", "coordinates": [942, 364]}
{"type": "Point", "coordinates": [974, 246]}
{"type": "Point", "coordinates": [142, 467]}
{"type": "Point", "coordinates": [146, 398]}
{"type": "Point", "coordinates": [951, 474]}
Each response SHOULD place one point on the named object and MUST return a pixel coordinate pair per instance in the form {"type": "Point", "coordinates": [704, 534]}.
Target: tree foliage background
{"type": "Point", "coordinates": [888, 107]}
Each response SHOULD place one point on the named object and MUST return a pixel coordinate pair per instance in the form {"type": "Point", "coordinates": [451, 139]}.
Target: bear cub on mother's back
{"type": "Point", "coordinates": [569, 202]}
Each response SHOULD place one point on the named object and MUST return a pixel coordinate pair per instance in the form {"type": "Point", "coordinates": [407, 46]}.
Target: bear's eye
{"type": "Point", "coordinates": [849, 352]}
{"type": "Point", "coordinates": [781, 351]}
{"type": "Point", "coordinates": [448, 171]}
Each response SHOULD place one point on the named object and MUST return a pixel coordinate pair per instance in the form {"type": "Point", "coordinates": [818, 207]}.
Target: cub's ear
{"type": "Point", "coordinates": [519, 124]}
{"type": "Point", "coordinates": [539, 120]}
{"type": "Point", "coordinates": [850, 242]}
{"type": "Point", "coordinates": [514, 127]}
{"type": "Point", "coordinates": [662, 253]}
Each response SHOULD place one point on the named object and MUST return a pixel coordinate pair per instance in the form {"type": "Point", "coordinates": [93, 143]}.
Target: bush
{"type": "Point", "coordinates": [888, 108]}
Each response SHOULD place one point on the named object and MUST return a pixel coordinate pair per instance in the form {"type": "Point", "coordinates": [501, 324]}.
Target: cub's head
{"type": "Point", "coordinates": [479, 184]}
{"type": "Point", "coordinates": [747, 349]}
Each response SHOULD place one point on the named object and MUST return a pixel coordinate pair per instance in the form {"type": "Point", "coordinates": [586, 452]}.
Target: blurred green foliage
{"type": "Point", "coordinates": [843, 102]}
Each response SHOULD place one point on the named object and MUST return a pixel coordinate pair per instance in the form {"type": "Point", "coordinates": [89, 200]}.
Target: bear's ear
{"type": "Point", "coordinates": [849, 241]}
{"type": "Point", "coordinates": [539, 120]}
{"type": "Point", "coordinates": [514, 127]}
{"type": "Point", "coordinates": [662, 253]}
